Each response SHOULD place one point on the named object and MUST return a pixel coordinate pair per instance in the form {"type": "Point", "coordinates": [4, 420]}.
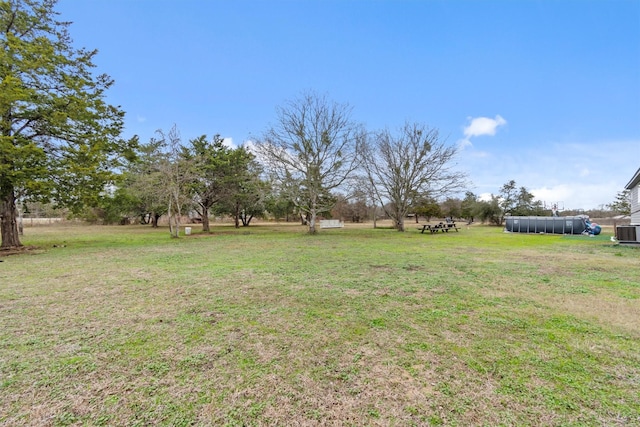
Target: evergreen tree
{"type": "Point", "coordinates": [59, 139]}
{"type": "Point", "coordinates": [622, 204]}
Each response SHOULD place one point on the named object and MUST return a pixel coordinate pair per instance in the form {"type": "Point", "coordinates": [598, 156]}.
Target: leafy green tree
{"type": "Point", "coordinates": [159, 181]}
{"type": "Point", "coordinates": [140, 180]}
{"type": "Point", "coordinates": [59, 139]}
{"type": "Point", "coordinates": [468, 205]}
{"type": "Point", "coordinates": [224, 180]}
{"type": "Point", "coordinates": [212, 167]}
{"type": "Point", "coordinates": [508, 199]}
{"type": "Point", "coordinates": [427, 207]}
{"type": "Point", "coordinates": [451, 207]}
{"type": "Point", "coordinates": [117, 207]}
{"type": "Point", "coordinates": [526, 205]}
{"type": "Point", "coordinates": [244, 190]}
{"type": "Point", "coordinates": [278, 204]}
{"type": "Point", "coordinates": [517, 201]}
{"type": "Point", "coordinates": [489, 211]}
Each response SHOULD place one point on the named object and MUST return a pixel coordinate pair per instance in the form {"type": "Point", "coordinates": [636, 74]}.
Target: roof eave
{"type": "Point", "coordinates": [634, 181]}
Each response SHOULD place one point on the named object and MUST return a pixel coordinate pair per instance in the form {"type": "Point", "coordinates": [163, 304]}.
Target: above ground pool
{"type": "Point", "coordinates": [551, 224]}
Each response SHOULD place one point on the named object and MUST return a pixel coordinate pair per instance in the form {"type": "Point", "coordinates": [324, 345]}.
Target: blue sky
{"type": "Point", "coordinates": [546, 93]}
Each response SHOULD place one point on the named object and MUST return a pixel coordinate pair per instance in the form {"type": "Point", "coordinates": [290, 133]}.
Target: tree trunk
{"type": "Point", "coordinates": [375, 217]}
{"type": "Point", "coordinates": [173, 221]}
{"type": "Point", "coordinates": [312, 221]}
{"type": "Point", "coordinates": [399, 221]}
{"type": "Point", "coordinates": [237, 216]}
{"type": "Point", "coordinates": [205, 219]}
{"type": "Point", "coordinates": [398, 218]}
{"type": "Point", "coordinates": [8, 222]}
{"type": "Point", "coordinates": [173, 226]}
{"type": "Point", "coordinates": [21, 224]}
{"type": "Point", "coordinates": [154, 220]}
{"type": "Point", "coordinates": [246, 219]}
{"type": "Point", "coordinates": [170, 219]}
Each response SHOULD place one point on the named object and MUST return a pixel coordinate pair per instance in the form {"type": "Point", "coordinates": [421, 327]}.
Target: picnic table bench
{"type": "Point", "coordinates": [444, 227]}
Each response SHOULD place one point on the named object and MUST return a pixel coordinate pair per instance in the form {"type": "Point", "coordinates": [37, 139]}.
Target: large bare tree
{"type": "Point", "coordinates": [311, 150]}
{"type": "Point", "coordinates": [411, 165]}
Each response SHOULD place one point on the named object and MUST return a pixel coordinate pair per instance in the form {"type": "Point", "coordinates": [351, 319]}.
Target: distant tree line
{"type": "Point", "coordinates": [314, 159]}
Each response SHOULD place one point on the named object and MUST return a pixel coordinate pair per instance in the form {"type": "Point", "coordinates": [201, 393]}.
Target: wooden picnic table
{"type": "Point", "coordinates": [444, 227]}
{"type": "Point", "coordinates": [426, 227]}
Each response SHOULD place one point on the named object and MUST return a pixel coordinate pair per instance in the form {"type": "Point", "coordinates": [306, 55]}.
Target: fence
{"type": "Point", "coordinates": [34, 222]}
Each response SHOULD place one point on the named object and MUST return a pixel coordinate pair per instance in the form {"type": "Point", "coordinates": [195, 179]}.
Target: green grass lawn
{"type": "Point", "coordinates": [266, 325]}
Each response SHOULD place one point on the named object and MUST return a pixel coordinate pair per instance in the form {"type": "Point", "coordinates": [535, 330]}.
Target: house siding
{"type": "Point", "coordinates": [635, 205]}
{"type": "Point", "coordinates": [634, 187]}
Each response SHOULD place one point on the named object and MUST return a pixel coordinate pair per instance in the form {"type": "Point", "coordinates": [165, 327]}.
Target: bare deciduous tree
{"type": "Point", "coordinates": [313, 146]}
{"type": "Point", "coordinates": [176, 175]}
{"type": "Point", "coordinates": [416, 163]}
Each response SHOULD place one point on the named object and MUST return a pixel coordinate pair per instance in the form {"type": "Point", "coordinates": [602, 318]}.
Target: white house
{"type": "Point", "coordinates": [630, 234]}
{"type": "Point", "coordinates": [634, 187]}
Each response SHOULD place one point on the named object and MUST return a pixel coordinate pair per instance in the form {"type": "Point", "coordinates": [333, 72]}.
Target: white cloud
{"type": "Point", "coordinates": [580, 195]}
{"type": "Point", "coordinates": [481, 154]}
{"type": "Point", "coordinates": [250, 146]}
{"type": "Point", "coordinates": [483, 126]}
{"type": "Point", "coordinates": [141, 119]}
{"type": "Point", "coordinates": [582, 174]}
{"type": "Point", "coordinates": [480, 126]}
{"type": "Point", "coordinates": [485, 197]}
{"type": "Point", "coordinates": [557, 194]}
{"type": "Point", "coordinates": [464, 143]}
{"type": "Point", "coordinates": [228, 141]}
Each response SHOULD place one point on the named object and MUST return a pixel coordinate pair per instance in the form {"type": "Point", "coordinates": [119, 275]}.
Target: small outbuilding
{"type": "Point", "coordinates": [631, 233]}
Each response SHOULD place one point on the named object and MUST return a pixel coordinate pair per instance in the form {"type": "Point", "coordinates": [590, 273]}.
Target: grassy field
{"type": "Point", "coordinates": [269, 326]}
